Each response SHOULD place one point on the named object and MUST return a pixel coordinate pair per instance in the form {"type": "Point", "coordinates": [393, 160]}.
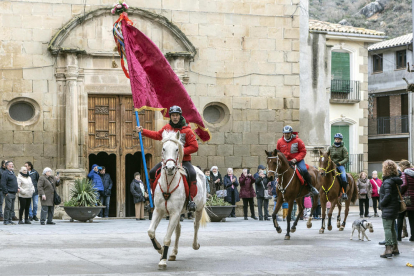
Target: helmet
{"type": "Point", "coordinates": [175, 109]}
{"type": "Point", "coordinates": [287, 129]}
{"type": "Point", "coordinates": [339, 135]}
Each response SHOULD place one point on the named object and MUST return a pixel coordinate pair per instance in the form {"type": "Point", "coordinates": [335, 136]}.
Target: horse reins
{"type": "Point", "coordinates": [279, 184]}
{"type": "Point", "coordinates": [335, 174]}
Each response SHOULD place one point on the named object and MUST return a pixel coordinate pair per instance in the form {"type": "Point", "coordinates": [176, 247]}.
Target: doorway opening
{"type": "Point", "coordinates": [133, 164]}
{"type": "Point", "coordinates": [109, 162]}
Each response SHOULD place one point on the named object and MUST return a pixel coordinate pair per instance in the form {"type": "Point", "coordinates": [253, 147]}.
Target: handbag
{"type": "Point", "coordinates": [56, 198]}
{"type": "Point", "coordinates": [403, 206]}
{"type": "Point", "coordinates": [407, 199]}
{"type": "Point", "coordinates": [267, 195]}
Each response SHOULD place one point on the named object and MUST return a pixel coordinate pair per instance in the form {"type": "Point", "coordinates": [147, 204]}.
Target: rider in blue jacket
{"type": "Point", "coordinates": [96, 179]}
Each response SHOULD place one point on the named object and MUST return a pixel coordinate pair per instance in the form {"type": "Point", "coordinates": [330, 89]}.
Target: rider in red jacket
{"type": "Point", "coordinates": [188, 138]}
{"type": "Point", "coordinates": [295, 151]}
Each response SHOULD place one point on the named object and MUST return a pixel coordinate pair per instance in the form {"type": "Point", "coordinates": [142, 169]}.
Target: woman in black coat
{"type": "Point", "coordinates": [261, 186]}
{"type": "Point", "coordinates": [390, 206]}
{"type": "Point", "coordinates": [231, 183]}
{"type": "Point", "coordinates": [138, 190]}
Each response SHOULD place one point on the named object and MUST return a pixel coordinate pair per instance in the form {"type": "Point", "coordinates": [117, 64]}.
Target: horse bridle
{"type": "Point", "coordinates": [326, 173]}
{"type": "Point", "coordinates": [164, 163]}
{"type": "Point", "coordinates": [279, 184]}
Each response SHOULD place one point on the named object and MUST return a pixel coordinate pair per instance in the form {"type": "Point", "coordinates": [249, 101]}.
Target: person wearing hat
{"type": "Point", "coordinates": [295, 151]}
{"type": "Point", "coordinates": [339, 155]}
{"type": "Point", "coordinates": [188, 138]}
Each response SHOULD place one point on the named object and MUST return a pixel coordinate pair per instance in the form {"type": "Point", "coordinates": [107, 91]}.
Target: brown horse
{"type": "Point", "coordinates": [331, 190]}
{"type": "Point", "coordinates": [289, 188]}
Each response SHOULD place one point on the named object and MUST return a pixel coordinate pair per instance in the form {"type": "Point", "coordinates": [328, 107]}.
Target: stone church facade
{"type": "Point", "coordinates": [66, 103]}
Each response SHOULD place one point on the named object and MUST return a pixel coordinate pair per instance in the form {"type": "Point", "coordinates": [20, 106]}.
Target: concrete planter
{"type": "Point", "coordinates": [219, 213]}
{"type": "Point", "coordinates": [83, 214]}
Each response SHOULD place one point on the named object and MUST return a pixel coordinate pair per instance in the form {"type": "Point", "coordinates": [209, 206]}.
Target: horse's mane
{"type": "Point", "coordinates": [170, 135]}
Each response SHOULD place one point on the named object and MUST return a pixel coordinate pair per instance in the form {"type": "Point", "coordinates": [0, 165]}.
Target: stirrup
{"type": "Point", "coordinates": [344, 196]}
{"type": "Point", "coordinates": [191, 207]}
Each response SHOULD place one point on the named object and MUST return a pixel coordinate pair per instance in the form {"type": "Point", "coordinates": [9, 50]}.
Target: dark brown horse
{"type": "Point", "coordinates": [289, 188]}
{"type": "Point", "coordinates": [331, 190]}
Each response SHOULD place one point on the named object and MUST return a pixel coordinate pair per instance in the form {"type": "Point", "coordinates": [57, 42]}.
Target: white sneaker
{"type": "Point", "coordinates": [97, 217]}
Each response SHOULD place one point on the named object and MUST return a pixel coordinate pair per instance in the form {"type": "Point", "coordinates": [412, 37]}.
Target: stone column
{"type": "Point", "coordinates": [72, 123]}
{"type": "Point", "coordinates": [61, 88]}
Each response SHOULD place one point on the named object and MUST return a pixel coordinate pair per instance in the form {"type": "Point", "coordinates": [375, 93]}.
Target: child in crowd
{"type": "Point", "coordinates": [285, 207]}
{"type": "Point", "coordinates": [308, 207]}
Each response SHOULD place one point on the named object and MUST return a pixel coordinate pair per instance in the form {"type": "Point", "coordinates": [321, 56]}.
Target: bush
{"type": "Point", "coordinates": [83, 194]}
{"type": "Point", "coordinates": [217, 201]}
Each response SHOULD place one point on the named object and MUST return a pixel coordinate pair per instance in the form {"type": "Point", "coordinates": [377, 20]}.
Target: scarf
{"type": "Point", "coordinates": [182, 123]}
{"type": "Point", "coordinates": [337, 144]}
{"type": "Point", "coordinates": [215, 174]}
{"type": "Point", "coordinates": [208, 177]}
{"type": "Point", "coordinates": [24, 174]}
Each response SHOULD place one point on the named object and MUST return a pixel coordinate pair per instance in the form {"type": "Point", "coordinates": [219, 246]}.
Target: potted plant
{"type": "Point", "coordinates": [83, 203]}
{"type": "Point", "coordinates": [218, 209]}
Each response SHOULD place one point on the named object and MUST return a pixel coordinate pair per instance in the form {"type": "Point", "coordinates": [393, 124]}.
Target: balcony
{"type": "Point", "coordinates": [345, 91]}
{"type": "Point", "coordinates": [388, 126]}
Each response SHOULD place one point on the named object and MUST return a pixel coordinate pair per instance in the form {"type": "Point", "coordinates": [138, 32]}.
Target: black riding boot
{"type": "Point", "coordinates": [344, 195]}
{"type": "Point", "coordinates": [308, 180]}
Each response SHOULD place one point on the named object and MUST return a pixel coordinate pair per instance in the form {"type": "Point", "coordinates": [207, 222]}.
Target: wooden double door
{"type": "Point", "coordinates": [114, 143]}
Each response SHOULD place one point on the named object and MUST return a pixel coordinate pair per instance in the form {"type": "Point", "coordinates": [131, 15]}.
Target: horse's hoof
{"type": "Point", "coordinates": [279, 230]}
{"type": "Point", "coordinates": [341, 228]}
{"type": "Point", "coordinates": [309, 225]}
{"type": "Point", "coordinates": [162, 265]}
{"type": "Point", "coordinates": [292, 230]}
{"type": "Point", "coordinates": [196, 247]}
{"type": "Point", "coordinates": [321, 231]}
{"type": "Point", "coordinates": [287, 238]}
{"type": "Point", "coordinates": [338, 224]}
{"type": "Point", "coordinates": [172, 258]}
{"type": "Point", "coordinates": [330, 227]}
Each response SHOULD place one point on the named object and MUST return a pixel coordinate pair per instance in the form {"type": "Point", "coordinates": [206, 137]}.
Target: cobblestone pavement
{"type": "Point", "coordinates": [235, 247]}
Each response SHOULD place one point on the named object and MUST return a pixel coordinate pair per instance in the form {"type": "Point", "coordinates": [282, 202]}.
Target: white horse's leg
{"type": "Point", "coordinates": [173, 256]}
{"type": "Point", "coordinates": [198, 215]}
{"type": "Point", "coordinates": [156, 218]}
{"type": "Point", "coordinates": [174, 220]}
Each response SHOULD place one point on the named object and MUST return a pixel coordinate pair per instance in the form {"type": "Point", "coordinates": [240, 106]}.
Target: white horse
{"type": "Point", "coordinates": [170, 197]}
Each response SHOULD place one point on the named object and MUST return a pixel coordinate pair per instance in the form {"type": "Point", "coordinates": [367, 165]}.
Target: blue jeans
{"type": "Point", "coordinates": [343, 173]}
{"type": "Point", "coordinates": [33, 212]}
{"type": "Point", "coordinates": [274, 201]}
{"type": "Point", "coordinates": [105, 201]}
{"type": "Point", "coordinates": [302, 166]}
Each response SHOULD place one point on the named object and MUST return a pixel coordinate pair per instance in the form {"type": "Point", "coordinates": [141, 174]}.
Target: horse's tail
{"type": "Point", "coordinates": [354, 192]}
{"type": "Point", "coordinates": [205, 218]}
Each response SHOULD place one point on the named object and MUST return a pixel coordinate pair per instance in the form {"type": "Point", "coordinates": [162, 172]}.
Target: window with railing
{"type": "Point", "coordinates": [345, 90]}
{"type": "Point", "coordinates": [388, 125]}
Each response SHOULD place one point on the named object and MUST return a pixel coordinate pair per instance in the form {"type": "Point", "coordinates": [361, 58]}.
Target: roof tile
{"type": "Point", "coordinates": [317, 25]}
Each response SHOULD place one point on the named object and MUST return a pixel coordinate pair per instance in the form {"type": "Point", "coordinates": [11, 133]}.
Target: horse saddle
{"type": "Point", "coordinates": [299, 174]}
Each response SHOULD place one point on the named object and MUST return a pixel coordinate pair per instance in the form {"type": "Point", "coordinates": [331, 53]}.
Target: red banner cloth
{"type": "Point", "coordinates": [154, 84]}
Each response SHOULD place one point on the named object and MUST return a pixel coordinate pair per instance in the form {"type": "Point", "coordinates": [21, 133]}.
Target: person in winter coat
{"type": "Point", "coordinates": [96, 180]}
{"type": "Point", "coordinates": [24, 181]}
{"type": "Point", "coordinates": [138, 190]}
{"type": "Point", "coordinates": [34, 175]}
{"type": "Point", "coordinates": [339, 155]}
{"type": "Point", "coordinates": [10, 188]}
{"type": "Point", "coordinates": [216, 178]}
{"type": "Point", "coordinates": [262, 202]}
{"type": "Point", "coordinates": [260, 167]}
{"type": "Point", "coordinates": [376, 184]}
{"type": "Point", "coordinates": [390, 206]}
{"type": "Point", "coordinates": [230, 184]}
{"type": "Point", "coordinates": [46, 187]}
{"type": "Point", "coordinates": [106, 195]}
{"type": "Point", "coordinates": [209, 184]}
{"type": "Point", "coordinates": [2, 170]}
{"type": "Point", "coordinates": [364, 191]}
{"type": "Point", "coordinates": [247, 193]}
{"type": "Point", "coordinates": [407, 190]}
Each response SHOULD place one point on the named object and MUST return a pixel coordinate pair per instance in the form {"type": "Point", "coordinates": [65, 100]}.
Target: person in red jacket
{"type": "Point", "coordinates": [295, 151]}
{"type": "Point", "coordinates": [188, 138]}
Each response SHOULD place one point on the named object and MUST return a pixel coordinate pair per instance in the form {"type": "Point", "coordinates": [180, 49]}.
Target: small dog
{"type": "Point", "coordinates": [361, 226]}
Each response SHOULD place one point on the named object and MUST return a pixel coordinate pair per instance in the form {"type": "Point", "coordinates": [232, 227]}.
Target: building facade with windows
{"type": "Point", "coordinates": [389, 102]}
{"type": "Point", "coordinates": [67, 104]}
{"type": "Point", "coordinates": [337, 88]}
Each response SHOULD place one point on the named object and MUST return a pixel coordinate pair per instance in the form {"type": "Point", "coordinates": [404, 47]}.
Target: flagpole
{"type": "Point", "coordinates": [144, 161]}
